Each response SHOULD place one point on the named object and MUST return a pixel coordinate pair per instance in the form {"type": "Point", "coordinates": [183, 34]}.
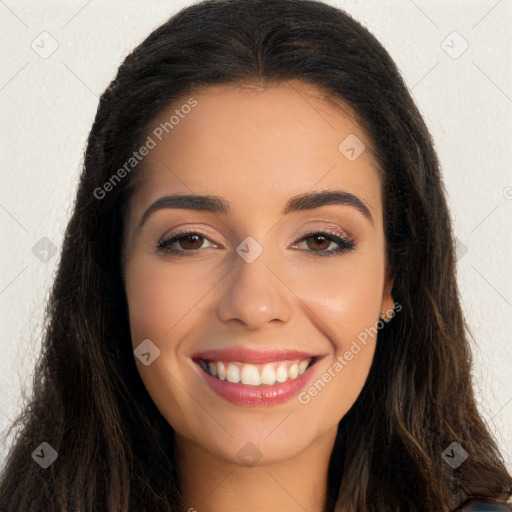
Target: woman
{"type": "Point", "coordinates": [201, 352]}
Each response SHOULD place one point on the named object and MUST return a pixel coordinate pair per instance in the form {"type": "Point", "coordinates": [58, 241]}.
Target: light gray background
{"type": "Point", "coordinates": [48, 105]}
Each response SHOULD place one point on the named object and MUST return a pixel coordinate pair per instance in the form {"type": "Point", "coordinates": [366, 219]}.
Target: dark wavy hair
{"type": "Point", "coordinates": [115, 450]}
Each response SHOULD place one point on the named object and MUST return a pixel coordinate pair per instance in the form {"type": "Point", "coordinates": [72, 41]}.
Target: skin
{"type": "Point", "coordinates": [256, 147]}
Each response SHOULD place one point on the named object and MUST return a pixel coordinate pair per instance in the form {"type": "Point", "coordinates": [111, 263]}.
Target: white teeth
{"type": "Point", "coordinates": [221, 369]}
{"type": "Point", "coordinates": [303, 365]}
{"type": "Point", "coordinates": [268, 375]}
{"type": "Point", "coordinates": [250, 375]}
{"type": "Point", "coordinates": [282, 373]}
{"type": "Point", "coordinates": [293, 371]}
{"type": "Point", "coordinates": [256, 375]}
{"type": "Point", "coordinates": [233, 373]}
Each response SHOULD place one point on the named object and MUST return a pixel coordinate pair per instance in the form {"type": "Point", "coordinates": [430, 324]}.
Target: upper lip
{"type": "Point", "coordinates": [251, 355]}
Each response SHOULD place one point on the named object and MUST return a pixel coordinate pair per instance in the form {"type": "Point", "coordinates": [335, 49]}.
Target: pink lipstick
{"type": "Point", "coordinates": [255, 377]}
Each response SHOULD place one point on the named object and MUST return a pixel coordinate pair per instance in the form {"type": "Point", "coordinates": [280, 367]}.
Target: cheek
{"type": "Point", "coordinates": [345, 295]}
{"type": "Point", "coordinates": [146, 296]}
{"type": "Point", "coordinates": [159, 295]}
{"type": "Point", "coordinates": [345, 301]}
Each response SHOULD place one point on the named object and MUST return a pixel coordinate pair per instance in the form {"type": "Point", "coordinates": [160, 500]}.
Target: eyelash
{"type": "Point", "coordinates": [164, 246]}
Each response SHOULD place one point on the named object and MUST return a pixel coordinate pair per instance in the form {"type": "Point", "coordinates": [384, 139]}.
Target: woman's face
{"type": "Point", "coordinates": [270, 279]}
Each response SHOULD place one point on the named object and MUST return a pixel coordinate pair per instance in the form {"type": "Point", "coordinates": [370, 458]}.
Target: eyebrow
{"type": "Point", "coordinates": [301, 202]}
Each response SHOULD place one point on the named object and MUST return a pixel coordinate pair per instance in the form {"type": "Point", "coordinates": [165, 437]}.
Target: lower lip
{"type": "Point", "coordinates": [256, 396]}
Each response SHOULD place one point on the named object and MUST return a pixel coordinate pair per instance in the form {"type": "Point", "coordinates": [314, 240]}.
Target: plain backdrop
{"type": "Point", "coordinates": [58, 57]}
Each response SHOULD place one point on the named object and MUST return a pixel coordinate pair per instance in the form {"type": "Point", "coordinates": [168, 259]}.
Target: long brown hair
{"type": "Point", "coordinates": [115, 450]}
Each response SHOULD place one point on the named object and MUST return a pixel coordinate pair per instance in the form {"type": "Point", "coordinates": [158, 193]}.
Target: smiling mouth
{"type": "Point", "coordinates": [274, 372]}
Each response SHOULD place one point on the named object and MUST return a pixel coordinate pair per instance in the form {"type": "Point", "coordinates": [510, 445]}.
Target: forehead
{"type": "Point", "coordinates": [257, 147]}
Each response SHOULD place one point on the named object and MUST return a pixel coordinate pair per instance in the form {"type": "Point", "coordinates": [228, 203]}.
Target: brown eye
{"type": "Point", "coordinates": [182, 243]}
{"type": "Point", "coordinates": [320, 242]}
{"type": "Point", "coordinates": [191, 242]}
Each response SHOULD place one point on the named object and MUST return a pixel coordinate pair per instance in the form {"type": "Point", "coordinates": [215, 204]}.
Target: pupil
{"type": "Point", "coordinates": [191, 237]}
{"type": "Point", "coordinates": [320, 237]}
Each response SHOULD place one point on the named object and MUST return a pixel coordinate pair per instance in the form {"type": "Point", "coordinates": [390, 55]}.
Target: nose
{"type": "Point", "coordinates": [254, 295]}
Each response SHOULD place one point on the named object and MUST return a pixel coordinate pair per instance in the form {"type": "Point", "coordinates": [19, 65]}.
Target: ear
{"type": "Point", "coordinates": [387, 299]}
